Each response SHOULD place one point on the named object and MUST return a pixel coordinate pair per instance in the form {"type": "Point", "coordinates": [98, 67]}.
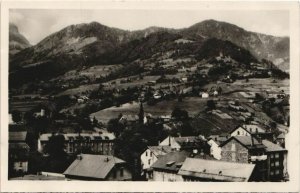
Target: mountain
{"type": "Point", "coordinates": [17, 41]}
{"type": "Point", "coordinates": [91, 44]}
{"type": "Point", "coordinates": [275, 49]}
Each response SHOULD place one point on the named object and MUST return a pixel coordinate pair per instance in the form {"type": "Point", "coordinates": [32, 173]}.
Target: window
{"type": "Point", "coordinates": [277, 155]}
{"type": "Point", "coordinates": [146, 153]}
{"type": "Point", "coordinates": [271, 173]}
{"type": "Point", "coordinates": [256, 130]}
{"type": "Point", "coordinates": [272, 155]}
{"type": "Point", "coordinates": [151, 154]}
{"type": "Point", "coordinates": [238, 132]}
{"type": "Point", "coordinates": [277, 163]}
{"type": "Point", "coordinates": [277, 172]}
{"type": "Point", "coordinates": [149, 161]}
{"type": "Point", "coordinates": [114, 174]}
{"type": "Point", "coordinates": [121, 172]}
{"type": "Point", "coordinates": [272, 164]}
{"type": "Point", "coordinates": [21, 164]}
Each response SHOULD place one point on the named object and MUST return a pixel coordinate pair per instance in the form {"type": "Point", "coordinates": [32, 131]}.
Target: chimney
{"type": "Point", "coordinates": [79, 157]}
{"type": "Point", "coordinates": [252, 140]}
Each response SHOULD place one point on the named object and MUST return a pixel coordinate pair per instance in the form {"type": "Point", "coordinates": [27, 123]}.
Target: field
{"type": "Point", "coordinates": [191, 104]}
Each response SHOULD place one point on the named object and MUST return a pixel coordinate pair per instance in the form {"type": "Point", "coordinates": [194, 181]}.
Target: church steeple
{"type": "Point", "coordinates": [141, 113]}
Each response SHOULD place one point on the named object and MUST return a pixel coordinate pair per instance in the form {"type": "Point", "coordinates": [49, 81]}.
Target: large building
{"type": "Point", "coordinates": [98, 168]}
{"type": "Point", "coordinates": [246, 149]}
{"type": "Point", "coordinates": [194, 169]}
{"type": "Point", "coordinates": [276, 161]}
{"type": "Point", "coordinates": [98, 143]}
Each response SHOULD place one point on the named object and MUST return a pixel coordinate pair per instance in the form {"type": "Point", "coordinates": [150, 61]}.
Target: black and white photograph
{"type": "Point", "coordinates": [150, 95]}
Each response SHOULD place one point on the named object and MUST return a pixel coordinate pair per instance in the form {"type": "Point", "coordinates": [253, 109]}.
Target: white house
{"type": "Point", "coordinates": [150, 156]}
{"type": "Point", "coordinates": [204, 94]}
{"type": "Point", "coordinates": [215, 150]}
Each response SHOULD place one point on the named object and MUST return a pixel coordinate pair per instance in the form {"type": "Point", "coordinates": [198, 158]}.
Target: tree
{"type": "Point", "coordinates": [211, 104]}
{"type": "Point", "coordinates": [180, 114]}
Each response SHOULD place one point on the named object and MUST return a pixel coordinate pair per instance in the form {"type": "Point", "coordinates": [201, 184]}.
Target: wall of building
{"type": "Point", "coordinates": [215, 150]}
{"type": "Point", "coordinates": [119, 173]}
{"type": "Point", "coordinates": [233, 151]}
{"type": "Point", "coordinates": [166, 176]}
{"type": "Point", "coordinates": [147, 159]}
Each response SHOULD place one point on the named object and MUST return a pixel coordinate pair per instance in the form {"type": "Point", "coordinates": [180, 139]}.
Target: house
{"type": "Point", "coordinates": [276, 161]}
{"type": "Point", "coordinates": [167, 166]}
{"type": "Point", "coordinates": [98, 143]}
{"type": "Point", "coordinates": [194, 169]}
{"type": "Point", "coordinates": [129, 119]}
{"type": "Point", "coordinates": [150, 156]}
{"type": "Point", "coordinates": [90, 167]}
{"type": "Point", "coordinates": [252, 130]}
{"type": "Point", "coordinates": [204, 94]}
{"type": "Point", "coordinates": [189, 143]}
{"type": "Point", "coordinates": [18, 153]}
{"type": "Point", "coordinates": [246, 149]}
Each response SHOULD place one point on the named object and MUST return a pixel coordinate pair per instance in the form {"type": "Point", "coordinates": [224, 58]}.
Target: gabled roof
{"type": "Point", "coordinates": [251, 129]}
{"type": "Point", "coordinates": [93, 166]}
{"type": "Point", "coordinates": [176, 158]}
{"type": "Point", "coordinates": [246, 141]}
{"type": "Point", "coordinates": [160, 150]}
{"type": "Point", "coordinates": [17, 136]}
{"type": "Point", "coordinates": [216, 170]}
{"type": "Point", "coordinates": [272, 147]}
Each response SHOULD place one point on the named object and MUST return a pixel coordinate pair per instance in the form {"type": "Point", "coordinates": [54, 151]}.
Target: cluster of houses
{"type": "Point", "coordinates": [248, 153]}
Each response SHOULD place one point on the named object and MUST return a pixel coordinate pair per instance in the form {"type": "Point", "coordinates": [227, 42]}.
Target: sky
{"type": "Point", "coordinates": [36, 24]}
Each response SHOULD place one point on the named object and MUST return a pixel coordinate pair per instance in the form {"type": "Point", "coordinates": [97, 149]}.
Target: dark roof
{"type": "Point", "coordinates": [17, 135]}
{"type": "Point", "coordinates": [246, 141]}
{"type": "Point", "coordinates": [216, 170]}
{"type": "Point", "coordinates": [170, 161]}
{"type": "Point", "coordinates": [93, 166]}
{"type": "Point", "coordinates": [272, 147]}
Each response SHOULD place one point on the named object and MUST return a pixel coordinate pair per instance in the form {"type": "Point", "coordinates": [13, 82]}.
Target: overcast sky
{"type": "Point", "coordinates": [37, 24]}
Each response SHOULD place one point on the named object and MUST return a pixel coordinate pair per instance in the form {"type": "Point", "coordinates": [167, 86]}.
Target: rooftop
{"type": "Point", "coordinates": [247, 141]}
{"type": "Point", "coordinates": [272, 147]}
{"type": "Point", "coordinates": [164, 162]}
{"type": "Point", "coordinates": [91, 136]}
{"type": "Point", "coordinates": [216, 170]}
{"type": "Point", "coordinates": [93, 166]}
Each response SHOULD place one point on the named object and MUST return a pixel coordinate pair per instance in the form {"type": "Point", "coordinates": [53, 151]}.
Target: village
{"type": "Point", "coordinates": [159, 120]}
